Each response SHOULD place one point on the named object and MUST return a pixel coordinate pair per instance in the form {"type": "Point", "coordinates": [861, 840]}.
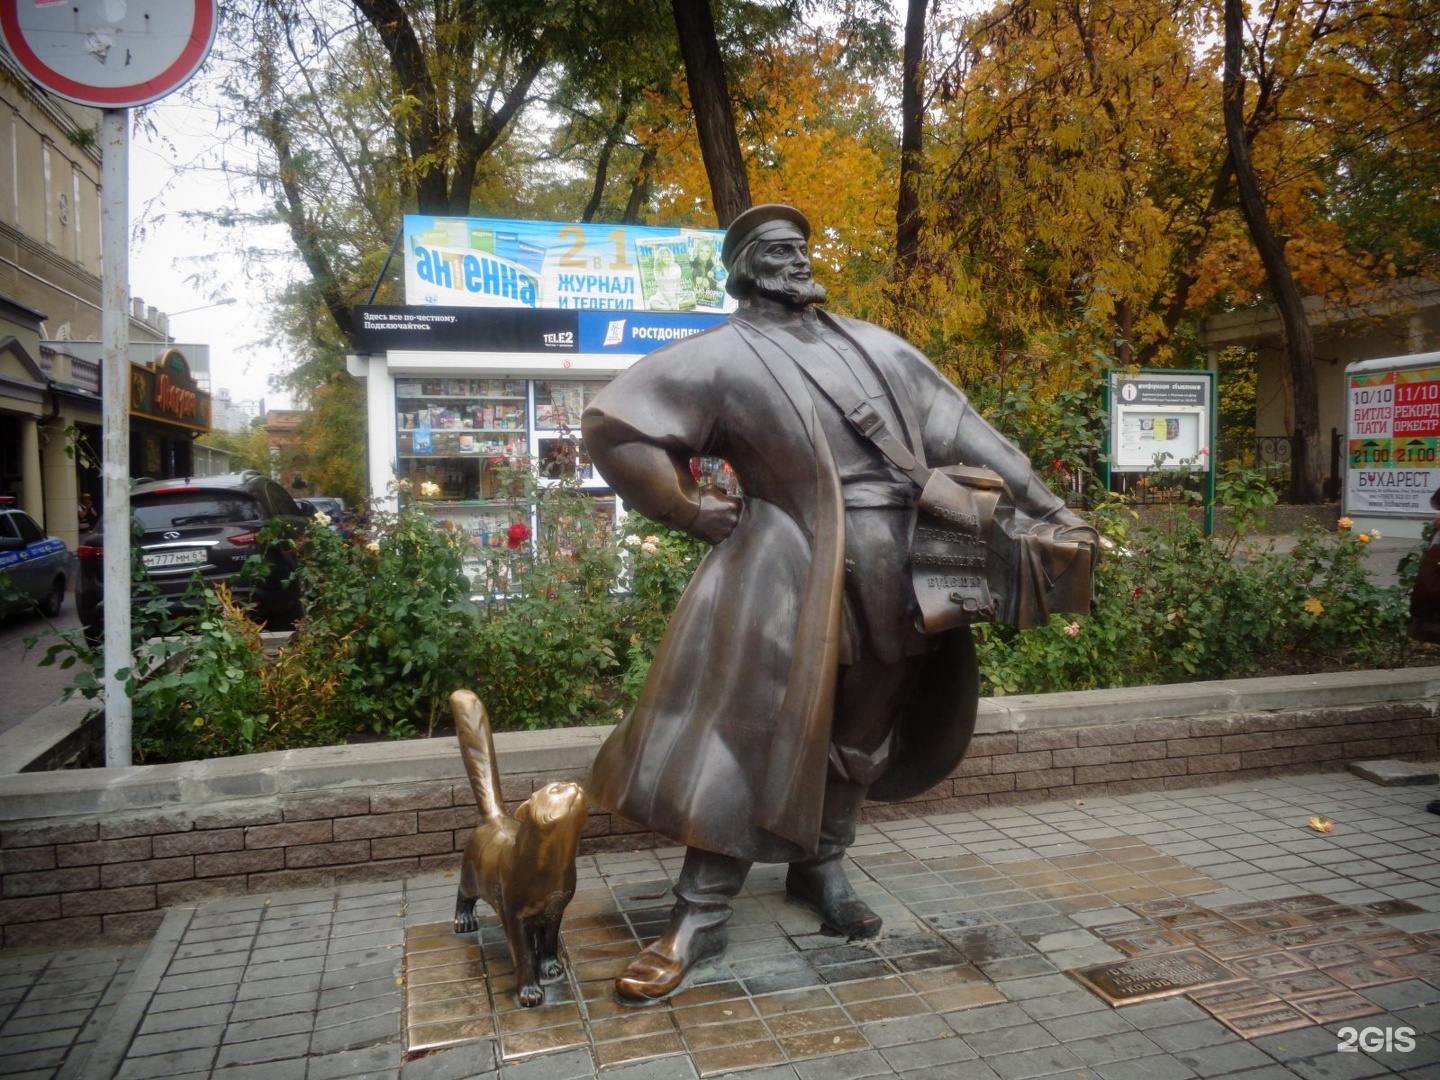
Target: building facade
{"type": "Point", "coordinates": [1399, 319]}
{"type": "Point", "coordinates": [50, 321]}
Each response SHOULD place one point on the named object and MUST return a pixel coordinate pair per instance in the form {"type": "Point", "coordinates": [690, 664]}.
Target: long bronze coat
{"type": "Point", "coordinates": [727, 747]}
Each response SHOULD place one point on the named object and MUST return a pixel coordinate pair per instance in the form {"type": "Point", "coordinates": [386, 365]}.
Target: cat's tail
{"type": "Point", "coordinates": [477, 748]}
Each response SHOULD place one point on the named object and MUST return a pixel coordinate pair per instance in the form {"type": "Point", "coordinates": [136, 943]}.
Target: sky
{"type": "Point", "coordinates": [171, 172]}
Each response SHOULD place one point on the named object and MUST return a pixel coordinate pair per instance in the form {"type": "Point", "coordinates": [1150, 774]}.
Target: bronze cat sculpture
{"type": "Point", "coordinates": [523, 867]}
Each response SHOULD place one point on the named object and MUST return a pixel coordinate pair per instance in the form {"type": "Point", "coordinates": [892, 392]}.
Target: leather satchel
{"type": "Point", "coordinates": [950, 552]}
{"type": "Point", "coordinates": [971, 561]}
{"type": "Point", "coordinates": [1047, 569]}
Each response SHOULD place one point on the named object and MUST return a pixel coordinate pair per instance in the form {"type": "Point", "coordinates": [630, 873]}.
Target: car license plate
{"type": "Point", "coordinates": [157, 560]}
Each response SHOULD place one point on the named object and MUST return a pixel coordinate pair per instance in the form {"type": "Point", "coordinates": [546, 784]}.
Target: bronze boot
{"type": "Point", "coordinates": [823, 888]}
{"type": "Point", "coordinates": [659, 971]}
{"type": "Point", "coordinates": [707, 883]}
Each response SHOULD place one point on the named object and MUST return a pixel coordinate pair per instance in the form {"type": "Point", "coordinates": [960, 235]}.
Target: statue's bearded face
{"type": "Point", "coordinates": [780, 269]}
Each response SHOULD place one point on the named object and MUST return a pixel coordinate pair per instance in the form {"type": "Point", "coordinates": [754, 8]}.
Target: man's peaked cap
{"type": "Point", "coordinates": [754, 223]}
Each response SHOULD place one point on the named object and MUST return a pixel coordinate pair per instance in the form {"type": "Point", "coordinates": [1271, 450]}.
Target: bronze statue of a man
{"type": "Point", "coordinates": [794, 680]}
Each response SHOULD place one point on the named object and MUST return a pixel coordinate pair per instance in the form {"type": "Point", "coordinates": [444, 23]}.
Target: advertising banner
{"type": "Point", "coordinates": [494, 262]}
{"type": "Point", "coordinates": [1393, 436]}
{"type": "Point", "coordinates": [382, 328]}
{"type": "Point", "coordinates": [640, 333]}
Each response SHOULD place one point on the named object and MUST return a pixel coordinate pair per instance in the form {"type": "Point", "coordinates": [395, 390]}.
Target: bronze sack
{"type": "Point", "coordinates": [950, 551]}
{"type": "Point", "coordinates": [972, 562]}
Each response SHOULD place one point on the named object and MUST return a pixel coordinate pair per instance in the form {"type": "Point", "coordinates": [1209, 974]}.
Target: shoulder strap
{"type": "Point", "coordinates": [861, 414]}
{"type": "Point", "coordinates": [863, 417]}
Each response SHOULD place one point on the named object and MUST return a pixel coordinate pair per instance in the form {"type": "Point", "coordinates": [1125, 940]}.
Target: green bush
{"type": "Point", "coordinates": [546, 651]}
{"type": "Point", "coordinates": [575, 623]}
{"type": "Point", "coordinates": [389, 630]}
{"type": "Point", "coordinates": [195, 681]}
{"type": "Point", "coordinates": [1175, 606]}
{"type": "Point", "coordinates": [661, 563]}
{"type": "Point", "coordinates": [393, 625]}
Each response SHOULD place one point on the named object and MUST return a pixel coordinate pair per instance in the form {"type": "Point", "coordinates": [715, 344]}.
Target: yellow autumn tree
{"type": "Point", "coordinates": [813, 136]}
{"type": "Point", "coordinates": [1072, 146]}
{"type": "Point", "coordinates": [1343, 116]}
{"type": "Point", "coordinates": [1318, 82]}
{"type": "Point", "coordinates": [1078, 191]}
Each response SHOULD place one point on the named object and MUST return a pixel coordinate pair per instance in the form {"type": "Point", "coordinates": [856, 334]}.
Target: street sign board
{"type": "Point", "coordinates": [109, 54]}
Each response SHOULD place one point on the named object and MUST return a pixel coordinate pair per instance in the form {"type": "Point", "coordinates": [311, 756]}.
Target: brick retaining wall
{"type": "Point", "coordinates": [1155, 755]}
{"type": "Point", "coordinates": [109, 860]}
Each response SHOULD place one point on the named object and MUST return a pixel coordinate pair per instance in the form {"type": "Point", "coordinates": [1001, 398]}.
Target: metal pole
{"type": "Point", "coordinates": [115, 404]}
{"type": "Point", "coordinates": [1210, 461]}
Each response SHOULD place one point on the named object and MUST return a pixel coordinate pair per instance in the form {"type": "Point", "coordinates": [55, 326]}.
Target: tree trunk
{"type": "Point", "coordinates": [1305, 468]}
{"type": "Point", "coordinates": [445, 174]}
{"type": "Point", "coordinates": [305, 235]}
{"type": "Point", "coordinates": [1124, 333]}
{"type": "Point", "coordinates": [639, 188]}
{"type": "Point", "coordinates": [613, 138]}
{"type": "Point", "coordinates": [710, 100]}
{"type": "Point", "coordinates": [912, 131]}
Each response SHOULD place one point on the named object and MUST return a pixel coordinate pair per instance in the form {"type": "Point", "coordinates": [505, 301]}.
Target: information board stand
{"type": "Point", "coordinates": [1162, 421]}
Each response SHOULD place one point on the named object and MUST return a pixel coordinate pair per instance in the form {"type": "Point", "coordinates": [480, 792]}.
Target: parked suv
{"type": "Point", "coordinates": [205, 526]}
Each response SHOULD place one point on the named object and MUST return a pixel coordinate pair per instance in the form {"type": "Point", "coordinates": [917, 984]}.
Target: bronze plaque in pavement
{"type": "Point", "coordinates": [1340, 913]}
{"type": "Point", "coordinates": [1212, 933]}
{"type": "Point", "coordinates": [1403, 945]}
{"type": "Point", "coordinates": [1387, 908]}
{"type": "Point", "coordinates": [1301, 935]}
{"type": "Point", "coordinates": [1303, 903]}
{"type": "Point", "coordinates": [1234, 997]}
{"type": "Point", "coordinates": [1265, 1020]}
{"type": "Point", "coordinates": [1141, 944]}
{"type": "Point", "coordinates": [1248, 910]}
{"type": "Point", "coordinates": [1376, 936]}
{"type": "Point", "coordinates": [1125, 929]}
{"type": "Point", "coordinates": [1146, 978]}
{"type": "Point", "coordinates": [1179, 920]}
{"type": "Point", "coordinates": [1302, 982]}
{"type": "Point", "coordinates": [1424, 963]}
{"type": "Point", "coordinates": [1269, 965]}
{"type": "Point", "coordinates": [1335, 1005]}
{"type": "Point", "coordinates": [1246, 946]}
{"type": "Point", "coordinates": [1333, 953]}
{"type": "Point", "coordinates": [1273, 922]}
{"type": "Point", "coordinates": [1362, 973]}
{"type": "Point", "coordinates": [1165, 905]}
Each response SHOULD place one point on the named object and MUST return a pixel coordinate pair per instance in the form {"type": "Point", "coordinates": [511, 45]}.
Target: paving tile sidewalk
{"type": "Point", "coordinates": [987, 913]}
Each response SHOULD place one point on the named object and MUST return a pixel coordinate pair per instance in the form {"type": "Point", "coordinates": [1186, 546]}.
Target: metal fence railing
{"type": "Point", "coordinates": [1274, 454]}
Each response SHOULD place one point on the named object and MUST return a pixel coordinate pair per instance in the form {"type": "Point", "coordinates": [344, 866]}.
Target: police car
{"type": "Point", "coordinates": [38, 566]}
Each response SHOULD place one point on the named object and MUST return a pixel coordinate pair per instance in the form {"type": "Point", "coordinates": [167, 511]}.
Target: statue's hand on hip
{"type": "Point", "coordinates": [717, 517]}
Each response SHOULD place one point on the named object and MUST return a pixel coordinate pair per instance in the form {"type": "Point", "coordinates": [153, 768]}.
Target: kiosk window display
{"type": "Point", "coordinates": [558, 449]}
{"type": "Point", "coordinates": [459, 438]}
{"type": "Point", "coordinates": [454, 432]}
